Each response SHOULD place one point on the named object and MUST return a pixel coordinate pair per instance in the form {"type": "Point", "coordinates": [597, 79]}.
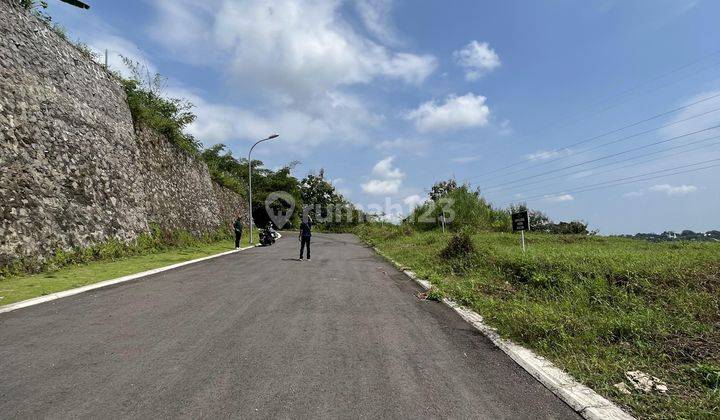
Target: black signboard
{"type": "Point", "coordinates": [520, 221]}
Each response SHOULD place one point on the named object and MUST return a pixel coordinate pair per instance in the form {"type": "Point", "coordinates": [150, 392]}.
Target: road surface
{"type": "Point", "coordinates": [259, 334]}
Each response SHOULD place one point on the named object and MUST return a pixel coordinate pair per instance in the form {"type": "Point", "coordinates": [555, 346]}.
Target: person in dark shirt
{"type": "Point", "coordinates": [305, 234]}
{"type": "Point", "coordinates": [237, 227]}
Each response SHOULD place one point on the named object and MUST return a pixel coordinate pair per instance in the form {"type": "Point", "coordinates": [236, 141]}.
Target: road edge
{"type": "Point", "coordinates": [70, 292]}
{"type": "Point", "coordinates": [584, 400]}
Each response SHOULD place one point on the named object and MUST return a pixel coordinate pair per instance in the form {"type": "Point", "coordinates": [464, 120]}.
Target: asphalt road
{"type": "Point", "coordinates": [259, 334]}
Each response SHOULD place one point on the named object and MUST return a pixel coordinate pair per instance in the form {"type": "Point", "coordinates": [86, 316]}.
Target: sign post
{"type": "Point", "coordinates": [521, 222]}
{"type": "Point", "coordinates": [442, 221]}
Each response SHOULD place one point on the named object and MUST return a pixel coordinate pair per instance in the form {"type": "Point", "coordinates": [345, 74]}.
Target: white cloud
{"type": "Point", "coordinates": [674, 190]}
{"type": "Point", "coordinates": [405, 145]}
{"type": "Point", "coordinates": [343, 120]}
{"type": "Point", "coordinates": [548, 154]}
{"type": "Point", "coordinates": [414, 200]}
{"type": "Point", "coordinates": [375, 15]}
{"type": "Point", "coordinates": [410, 68]}
{"type": "Point", "coordinates": [295, 48]}
{"type": "Point", "coordinates": [457, 112]}
{"type": "Point", "coordinates": [505, 129]}
{"type": "Point", "coordinates": [293, 60]}
{"type": "Point", "coordinates": [388, 178]}
{"type": "Point", "coordinates": [332, 115]}
{"type": "Point", "coordinates": [182, 28]}
{"type": "Point", "coordinates": [633, 194]}
{"type": "Point", "coordinates": [217, 123]}
{"type": "Point", "coordinates": [118, 47]}
{"type": "Point", "coordinates": [382, 186]}
{"type": "Point", "coordinates": [384, 169]}
{"type": "Point", "coordinates": [559, 198]}
{"type": "Point", "coordinates": [466, 159]}
{"type": "Point", "coordinates": [478, 59]}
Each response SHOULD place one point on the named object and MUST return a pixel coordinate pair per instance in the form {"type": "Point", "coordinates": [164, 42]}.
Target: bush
{"type": "Point", "coordinates": [460, 246]}
{"type": "Point", "coordinates": [166, 116]}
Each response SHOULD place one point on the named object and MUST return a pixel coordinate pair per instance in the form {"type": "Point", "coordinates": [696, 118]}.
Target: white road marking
{"type": "Point", "coordinates": [99, 285]}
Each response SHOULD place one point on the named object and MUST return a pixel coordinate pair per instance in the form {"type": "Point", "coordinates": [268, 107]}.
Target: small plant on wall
{"type": "Point", "coordinates": [168, 116]}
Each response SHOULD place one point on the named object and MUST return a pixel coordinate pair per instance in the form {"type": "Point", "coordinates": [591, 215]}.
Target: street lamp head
{"type": "Point", "coordinates": [273, 136]}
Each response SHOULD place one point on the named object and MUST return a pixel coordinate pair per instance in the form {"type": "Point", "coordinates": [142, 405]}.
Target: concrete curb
{"type": "Point", "coordinates": [581, 398]}
{"type": "Point", "coordinates": [99, 285]}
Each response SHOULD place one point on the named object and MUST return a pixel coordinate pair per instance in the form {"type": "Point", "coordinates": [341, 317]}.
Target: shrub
{"type": "Point", "coordinates": [459, 246]}
{"type": "Point", "coordinates": [166, 116]}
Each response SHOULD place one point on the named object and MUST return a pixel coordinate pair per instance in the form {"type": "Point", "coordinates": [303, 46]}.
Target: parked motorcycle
{"type": "Point", "coordinates": [268, 236]}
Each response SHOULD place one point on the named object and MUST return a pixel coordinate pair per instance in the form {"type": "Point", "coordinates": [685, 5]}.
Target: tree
{"type": "Point", "coordinates": [265, 182]}
{"type": "Point", "coordinates": [225, 169]}
{"type": "Point", "coordinates": [328, 208]}
{"type": "Point", "coordinates": [442, 189]}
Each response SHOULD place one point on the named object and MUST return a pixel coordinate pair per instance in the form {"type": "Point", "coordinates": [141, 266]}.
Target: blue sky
{"type": "Point", "coordinates": [390, 96]}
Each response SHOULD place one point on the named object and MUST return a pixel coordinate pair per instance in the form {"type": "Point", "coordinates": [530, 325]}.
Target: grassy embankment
{"type": "Point", "coordinates": [595, 306]}
{"type": "Point", "coordinates": [19, 287]}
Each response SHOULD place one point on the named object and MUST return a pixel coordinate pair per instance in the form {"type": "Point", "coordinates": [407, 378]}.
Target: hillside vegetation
{"type": "Point", "coordinates": [596, 306]}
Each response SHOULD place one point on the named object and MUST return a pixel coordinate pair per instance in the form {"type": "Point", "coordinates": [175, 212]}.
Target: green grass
{"type": "Point", "coordinates": [595, 306]}
{"type": "Point", "coordinates": [21, 287]}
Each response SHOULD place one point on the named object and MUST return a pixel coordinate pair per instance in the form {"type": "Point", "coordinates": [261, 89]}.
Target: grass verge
{"type": "Point", "coordinates": [596, 306]}
{"type": "Point", "coordinates": [21, 287]}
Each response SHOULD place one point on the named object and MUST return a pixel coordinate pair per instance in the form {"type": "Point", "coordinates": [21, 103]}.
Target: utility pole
{"type": "Point", "coordinates": [250, 208]}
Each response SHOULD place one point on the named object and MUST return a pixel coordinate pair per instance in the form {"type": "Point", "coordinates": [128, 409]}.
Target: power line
{"type": "Point", "coordinates": [626, 178]}
{"type": "Point", "coordinates": [629, 159]}
{"type": "Point", "coordinates": [639, 85]}
{"type": "Point", "coordinates": [675, 70]}
{"type": "Point", "coordinates": [546, 162]}
{"type": "Point", "coordinates": [617, 182]}
{"type": "Point", "coordinates": [587, 140]}
{"type": "Point", "coordinates": [628, 99]}
{"type": "Point", "coordinates": [702, 114]}
{"type": "Point", "coordinates": [486, 192]}
{"type": "Point", "coordinates": [605, 157]}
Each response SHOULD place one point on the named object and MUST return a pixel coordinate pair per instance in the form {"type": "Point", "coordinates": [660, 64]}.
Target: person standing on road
{"type": "Point", "coordinates": [305, 235]}
{"type": "Point", "coordinates": [237, 227]}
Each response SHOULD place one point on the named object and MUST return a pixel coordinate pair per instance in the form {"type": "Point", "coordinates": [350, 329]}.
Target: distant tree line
{"type": "Point", "coordinates": [685, 235]}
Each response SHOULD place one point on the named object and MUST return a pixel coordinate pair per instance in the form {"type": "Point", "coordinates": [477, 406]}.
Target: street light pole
{"type": "Point", "coordinates": [250, 208]}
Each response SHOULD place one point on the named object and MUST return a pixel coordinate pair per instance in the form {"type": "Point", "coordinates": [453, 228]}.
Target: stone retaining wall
{"type": "Point", "coordinates": [73, 171]}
